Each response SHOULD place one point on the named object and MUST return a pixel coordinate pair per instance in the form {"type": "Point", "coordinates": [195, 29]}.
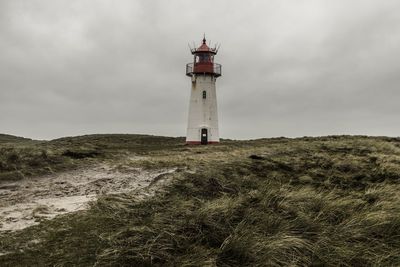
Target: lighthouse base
{"type": "Point", "coordinates": [199, 143]}
{"type": "Point", "coordinates": [202, 136]}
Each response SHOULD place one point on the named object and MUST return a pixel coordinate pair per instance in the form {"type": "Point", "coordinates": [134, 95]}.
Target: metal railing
{"type": "Point", "coordinates": [215, 69]}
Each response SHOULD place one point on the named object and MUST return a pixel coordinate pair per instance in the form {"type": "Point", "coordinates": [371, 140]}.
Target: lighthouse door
{"type": "Point", "coordinates": [204, 137]}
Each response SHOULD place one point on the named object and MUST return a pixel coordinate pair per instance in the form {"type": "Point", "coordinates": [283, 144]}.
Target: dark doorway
{"type": "Point", "coordinates": [204, 137]}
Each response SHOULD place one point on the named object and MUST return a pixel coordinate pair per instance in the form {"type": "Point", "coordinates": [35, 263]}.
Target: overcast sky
{"type": "Point", "coordinates": [290, 68]}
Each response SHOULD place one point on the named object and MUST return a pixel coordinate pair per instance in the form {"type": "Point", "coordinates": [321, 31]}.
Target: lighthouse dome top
{"type": "Point", "coordinates": [204, 48]}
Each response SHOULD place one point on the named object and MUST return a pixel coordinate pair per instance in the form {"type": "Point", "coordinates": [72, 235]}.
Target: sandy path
{"type": "Point", "coordinates": [27, 202]}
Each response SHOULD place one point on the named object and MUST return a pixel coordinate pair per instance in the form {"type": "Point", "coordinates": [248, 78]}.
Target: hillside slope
{"type": "Point", "coordinates": [5, 138]}
{"type": "Point", "coordinates": [325, 201]}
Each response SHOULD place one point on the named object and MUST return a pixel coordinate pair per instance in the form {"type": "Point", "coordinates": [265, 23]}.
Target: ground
{"type": "Point", "coordinates": [137, 200]}
{"type": "Point", "coordinates": [29, 201]}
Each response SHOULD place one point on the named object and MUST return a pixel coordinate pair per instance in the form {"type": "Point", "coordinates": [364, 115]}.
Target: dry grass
{"type": "Point", "coordinates": [329, 201]}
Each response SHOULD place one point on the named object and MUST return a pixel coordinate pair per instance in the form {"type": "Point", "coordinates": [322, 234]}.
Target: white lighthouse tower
{"type": "Point", "coordinates": [203, 115]}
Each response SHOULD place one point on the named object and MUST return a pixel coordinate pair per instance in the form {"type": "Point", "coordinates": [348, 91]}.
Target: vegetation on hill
{"type": "Point", "coordinates": [6, 138]}
{"type": "Point", "coordinates": [21, 157]}
{"type": "Point", "coordinates": [329, 201]}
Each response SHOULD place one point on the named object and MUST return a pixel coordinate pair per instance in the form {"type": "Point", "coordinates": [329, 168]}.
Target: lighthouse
{"type": "Point", "coordinates": [203, 114]}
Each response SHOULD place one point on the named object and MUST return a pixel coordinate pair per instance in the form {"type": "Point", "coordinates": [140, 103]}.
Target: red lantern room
{"type": "Point", "coordinates": [204, 61]}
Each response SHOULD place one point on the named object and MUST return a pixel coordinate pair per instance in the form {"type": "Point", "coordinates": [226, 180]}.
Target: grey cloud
{"type": "Point", "coordinates": [290, 68]}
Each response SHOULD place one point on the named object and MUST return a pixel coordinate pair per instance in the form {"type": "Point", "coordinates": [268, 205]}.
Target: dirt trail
{"type": "Point", "coordinates": [27, 202]}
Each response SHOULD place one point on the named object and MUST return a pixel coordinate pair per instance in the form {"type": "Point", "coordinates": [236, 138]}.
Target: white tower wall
{"type": "Point", "coordinates": [203, 112]}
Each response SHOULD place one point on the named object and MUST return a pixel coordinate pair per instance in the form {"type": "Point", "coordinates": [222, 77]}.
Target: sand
{"type": "Point", "coordinates": [32, 200]}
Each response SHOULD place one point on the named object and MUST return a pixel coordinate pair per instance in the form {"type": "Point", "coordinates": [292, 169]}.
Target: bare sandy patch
{"type": "Point", "coordinates": [30, 201]}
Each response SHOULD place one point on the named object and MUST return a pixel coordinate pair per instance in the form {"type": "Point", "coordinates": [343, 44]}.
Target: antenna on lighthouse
{"type": "Point", "coordinates": [219, 45]}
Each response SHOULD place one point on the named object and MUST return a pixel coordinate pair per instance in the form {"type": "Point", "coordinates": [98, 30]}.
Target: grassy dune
{"type": "Point", "coordinates": [329, 201]}
{"type": "Point", "coordinates": [21, 157]}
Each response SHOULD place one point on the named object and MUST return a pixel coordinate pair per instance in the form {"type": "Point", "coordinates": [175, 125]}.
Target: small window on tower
{"type": "Point", "coordinates": [204, 94]}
